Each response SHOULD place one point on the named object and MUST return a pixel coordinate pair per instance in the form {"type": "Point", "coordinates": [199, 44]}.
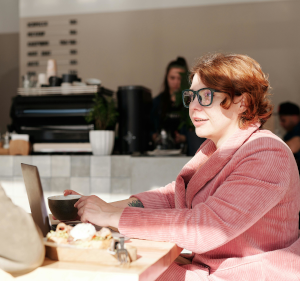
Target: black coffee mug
{"type": "Point", "coordinates": [54, 81]}
{"type": "Point", "coordinates": [69, 78]}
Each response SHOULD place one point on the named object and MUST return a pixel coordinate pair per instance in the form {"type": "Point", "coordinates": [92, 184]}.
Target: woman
{"type": "Point", "coordinates": [235, 204]}
{"type": "Point", "coordinates": [166, 111]}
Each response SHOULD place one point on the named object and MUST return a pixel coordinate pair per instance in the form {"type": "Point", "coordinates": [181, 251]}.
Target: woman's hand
{"type": "Point", "coordinates": [154, 137]}
{"type": "Point", "coordinates": [94, 210]}
{"type": "Point", "coordinates": [179, 138]}
{"type": "Point", "coordinates": [71, 192]}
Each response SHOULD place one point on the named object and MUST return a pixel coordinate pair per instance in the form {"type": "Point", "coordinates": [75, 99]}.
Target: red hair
{"type": "Point", "coordinates": [235, 75]}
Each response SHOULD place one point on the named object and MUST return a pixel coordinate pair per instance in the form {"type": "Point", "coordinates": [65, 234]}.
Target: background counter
{"type": "Point", "coordinates": [110, 177]}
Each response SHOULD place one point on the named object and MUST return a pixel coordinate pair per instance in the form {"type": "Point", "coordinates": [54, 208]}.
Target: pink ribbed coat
{"type": "Point", "coordinates": [235, 207]}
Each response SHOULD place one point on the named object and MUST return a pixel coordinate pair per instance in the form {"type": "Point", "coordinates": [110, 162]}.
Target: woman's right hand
{"type": "Point", "coordinates": [179, 138]}
{"type": "Point", "coordinates": [71, 192]}
{"type": "Point", "coordinates": [154, 137]}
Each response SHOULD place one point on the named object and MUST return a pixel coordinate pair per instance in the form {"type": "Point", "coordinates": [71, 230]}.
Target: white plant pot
{"type": "Point", "coordinates": [102, 142]}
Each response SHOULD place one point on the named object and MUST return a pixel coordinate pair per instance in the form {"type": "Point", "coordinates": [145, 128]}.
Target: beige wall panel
{"type": "Point", "coordinates": [9, 16]}
{"type": "Point", "coordinates": [134, 47]}
{"type": "Point", "coordinates": [9, 73]}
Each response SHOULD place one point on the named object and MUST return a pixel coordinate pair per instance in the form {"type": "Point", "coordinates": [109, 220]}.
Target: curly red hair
{"type": "Point", "coordinates": [236, 75]}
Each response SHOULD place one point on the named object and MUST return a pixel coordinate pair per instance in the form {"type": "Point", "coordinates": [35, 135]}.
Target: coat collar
{"type": "Point", "coordinates": [206, 164]}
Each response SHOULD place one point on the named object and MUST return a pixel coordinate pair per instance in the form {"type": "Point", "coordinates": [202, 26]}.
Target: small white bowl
{"type": "Point", "coordinates": [93, 81]}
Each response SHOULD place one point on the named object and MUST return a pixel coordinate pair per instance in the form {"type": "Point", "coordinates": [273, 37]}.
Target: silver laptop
{"type": "Point", "coordinates": [36, 197]}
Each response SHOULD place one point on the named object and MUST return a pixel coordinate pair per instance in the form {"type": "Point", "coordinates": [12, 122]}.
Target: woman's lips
{"type": "Point", "coordinates": [199, 121]}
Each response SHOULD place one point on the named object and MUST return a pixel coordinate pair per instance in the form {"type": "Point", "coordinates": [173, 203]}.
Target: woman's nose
{"type": "Point", "coordinates": [195, 105]}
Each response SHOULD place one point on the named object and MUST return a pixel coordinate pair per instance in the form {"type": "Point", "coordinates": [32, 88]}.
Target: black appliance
{"type": "Point", "coordinates": [134, 104]}
{"type": "Point", "coordinates": [53, 118]}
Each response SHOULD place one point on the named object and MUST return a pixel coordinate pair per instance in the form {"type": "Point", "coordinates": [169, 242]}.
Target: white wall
{"type": "Point", "coordinates": [9, 16]}
{"type": "Point", "coordinates": [35, 8]}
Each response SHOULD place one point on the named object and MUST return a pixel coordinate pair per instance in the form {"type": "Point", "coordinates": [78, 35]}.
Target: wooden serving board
{"type": "Point", "coordinates": [153, 259]}
{"type": "Point", "coordinates": [73, 254]}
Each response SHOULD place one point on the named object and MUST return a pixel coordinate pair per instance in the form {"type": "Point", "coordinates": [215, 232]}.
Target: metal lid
{"type": "Point", "coordinates": [130, 88]}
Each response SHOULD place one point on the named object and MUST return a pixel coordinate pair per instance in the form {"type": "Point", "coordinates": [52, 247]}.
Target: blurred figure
{"type": "Point", "coordinates": [21, 241]}
{"type": "Point", "coordinates": [290, 121]}
{"type": "Point", "coordinates": [168, 104]}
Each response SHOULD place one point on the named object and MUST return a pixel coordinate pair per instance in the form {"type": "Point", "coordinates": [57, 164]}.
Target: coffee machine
{"type": "Point", "coordinates": [134, 103]}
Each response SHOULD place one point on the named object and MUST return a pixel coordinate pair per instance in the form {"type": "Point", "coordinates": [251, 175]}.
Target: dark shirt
{"type": "Point", "coordinates": [295, 132]}
{"type": "Point", "coordinates": [166, 116]}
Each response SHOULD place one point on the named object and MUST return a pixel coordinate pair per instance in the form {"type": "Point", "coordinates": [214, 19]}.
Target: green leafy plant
{"type": "Point", "coordinates": [104, 113]}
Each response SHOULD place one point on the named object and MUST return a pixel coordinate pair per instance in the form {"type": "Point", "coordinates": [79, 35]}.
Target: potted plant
{"type": "Point", "coordinates": [104, 116]}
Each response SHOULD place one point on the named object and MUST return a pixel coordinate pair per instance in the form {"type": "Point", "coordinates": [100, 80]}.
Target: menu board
{"type": "Point", "coordinates": [42, 40]}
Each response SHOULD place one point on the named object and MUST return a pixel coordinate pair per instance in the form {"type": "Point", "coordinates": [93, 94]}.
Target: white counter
{"type": "Point", "coordinates": [110, 177]}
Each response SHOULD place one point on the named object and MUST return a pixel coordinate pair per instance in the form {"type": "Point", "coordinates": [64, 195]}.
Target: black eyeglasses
{"type": "Point", "coordinates": [204, 95]}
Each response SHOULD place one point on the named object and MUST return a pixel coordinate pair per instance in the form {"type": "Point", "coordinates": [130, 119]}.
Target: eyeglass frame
{"type": "Point", "coordinates": [198, 96]}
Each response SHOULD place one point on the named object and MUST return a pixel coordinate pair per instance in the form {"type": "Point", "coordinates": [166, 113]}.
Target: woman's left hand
{"type": "Point", "coordinates": [96, 211]}
{"type": "Point", "coordinates": [179, 138]}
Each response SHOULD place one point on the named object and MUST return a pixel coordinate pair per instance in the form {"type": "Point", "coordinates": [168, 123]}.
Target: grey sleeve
{"type": "Point", "coordinates": [21, 241]}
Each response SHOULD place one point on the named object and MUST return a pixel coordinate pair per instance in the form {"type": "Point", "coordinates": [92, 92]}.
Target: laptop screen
{"type": "Point", "coordinates": [36, 197]}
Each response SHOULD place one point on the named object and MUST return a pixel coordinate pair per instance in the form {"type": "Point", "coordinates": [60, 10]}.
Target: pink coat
{"type": "Point", "coordinates": [237, 209]}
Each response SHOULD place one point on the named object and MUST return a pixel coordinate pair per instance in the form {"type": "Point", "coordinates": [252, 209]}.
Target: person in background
{"type": "Point", "coordinates": [21, 241]}
{"type": "Point", "coordinates": [166, 109]}
{"type": "Point", "coordinates": [289, 116]}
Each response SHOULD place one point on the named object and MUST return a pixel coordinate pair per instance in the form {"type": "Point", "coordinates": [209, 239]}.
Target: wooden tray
{"type": "Point", "coordinates": [71, 253]}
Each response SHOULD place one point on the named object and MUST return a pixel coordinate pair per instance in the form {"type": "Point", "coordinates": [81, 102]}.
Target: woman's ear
{"type": "Point", "coordinates": [242, 103]}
